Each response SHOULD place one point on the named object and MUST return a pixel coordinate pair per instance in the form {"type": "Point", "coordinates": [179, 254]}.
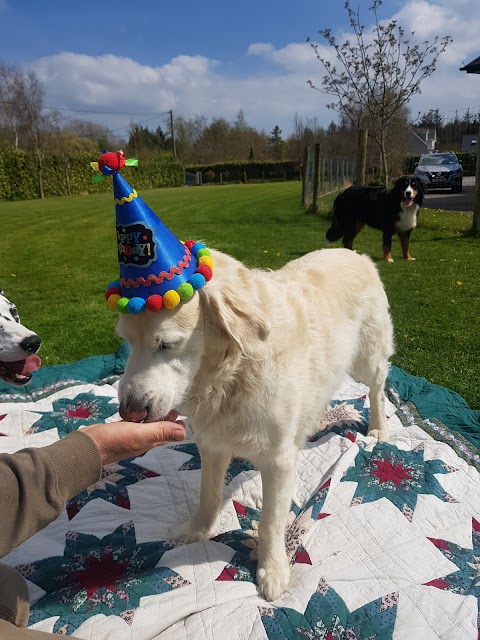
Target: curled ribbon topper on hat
{"type": "Point", "coordinates": [110, 162]}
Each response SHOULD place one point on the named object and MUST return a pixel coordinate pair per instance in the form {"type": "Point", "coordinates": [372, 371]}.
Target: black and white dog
{"type": "Point", "coordinates": [18, 346]}
{"type": "Point", "coordinates": [392, 211]}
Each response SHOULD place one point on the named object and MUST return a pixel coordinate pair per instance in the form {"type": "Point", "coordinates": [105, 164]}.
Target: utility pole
{"type": "Point", "coordinates": [173, 134]}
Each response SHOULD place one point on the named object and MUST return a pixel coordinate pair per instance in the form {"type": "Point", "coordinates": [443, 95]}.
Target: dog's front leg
{"type": "Point", "coordinates": [387, 246]}
{"type": "Point", "coordinates": [273, 572]}
{"type": "Point", "coordinates": [404, 237]}
{"type": "Point", "coordinates": [214, 467]}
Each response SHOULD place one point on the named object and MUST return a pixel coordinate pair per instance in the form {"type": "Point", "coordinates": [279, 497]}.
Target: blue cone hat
{"type": "Point", "coordinates": [157, 270]}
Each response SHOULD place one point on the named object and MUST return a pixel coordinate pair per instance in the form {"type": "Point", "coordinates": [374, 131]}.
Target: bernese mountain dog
{"type": "Point", "coordinates": [389, 210]}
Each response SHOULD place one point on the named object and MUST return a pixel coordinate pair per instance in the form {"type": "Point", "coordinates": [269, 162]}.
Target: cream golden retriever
{"type": "Point", "coordinates": [253, 359]}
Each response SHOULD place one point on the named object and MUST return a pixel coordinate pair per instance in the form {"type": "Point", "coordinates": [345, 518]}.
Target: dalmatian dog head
{"type": "Point", "coordinates": [18, 346]}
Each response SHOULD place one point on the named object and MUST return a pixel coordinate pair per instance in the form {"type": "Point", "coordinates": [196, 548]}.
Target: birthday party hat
{"type": "Point", "coordinates": [156, 269]}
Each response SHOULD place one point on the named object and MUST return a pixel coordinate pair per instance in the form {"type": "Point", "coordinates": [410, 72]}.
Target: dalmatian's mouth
{"type": "Point", "coordinates": [19, 373]}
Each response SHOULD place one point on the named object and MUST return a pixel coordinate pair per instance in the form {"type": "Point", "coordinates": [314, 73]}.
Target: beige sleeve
{"type": "Point", "coordinates": [36, 483]}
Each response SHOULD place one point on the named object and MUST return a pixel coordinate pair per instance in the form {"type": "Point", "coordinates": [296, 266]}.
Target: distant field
{"type": "Point", "coordinates": [58, 255]}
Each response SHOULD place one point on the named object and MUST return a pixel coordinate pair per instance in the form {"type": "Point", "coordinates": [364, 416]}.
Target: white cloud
{"type": "Point", "coordinates": [260, 49]}
{"type": "Point", "coordinates": [187, 84]}
{"type": "Point", "coordinates": [198, 85]}
{"type": "Point", "coordinates": [3, 6]}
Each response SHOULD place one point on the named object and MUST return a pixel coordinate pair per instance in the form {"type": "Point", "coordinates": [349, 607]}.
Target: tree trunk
{"type": "Point", "coordinates": [383, 155]}
{"type": "Point", "coordinates": [67, 176]}
{"type": "Point", "coordinates": [361, 161]}
{"type": "Point", "coordinates": [40, 176]}
{"type": "Point", "coordinates": [476, 205]}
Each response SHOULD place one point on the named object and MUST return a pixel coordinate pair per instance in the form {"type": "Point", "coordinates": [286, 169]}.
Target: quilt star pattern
{"type": "Point", "coordinates": [99, 576]}
{"type": "Point", "coordinates": [69, 414]}
{"type": "Point", "coordinates": [383, 538]}
{"type": "Point", "coordinates": [327, 617]}
{"type": "Point", "coordinates": [112, 486]}
{"type": "Point", "coordinates": [466, 580]}
{"type": "Point", "coordinates": [400, 476]}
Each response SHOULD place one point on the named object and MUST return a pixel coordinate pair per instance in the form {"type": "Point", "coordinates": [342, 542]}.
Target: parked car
{"type": "Point", "coordinates": [440, 171]}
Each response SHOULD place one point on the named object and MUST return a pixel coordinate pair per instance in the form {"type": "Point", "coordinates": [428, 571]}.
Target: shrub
{"type": "Point", "coordinates": [19, 174]}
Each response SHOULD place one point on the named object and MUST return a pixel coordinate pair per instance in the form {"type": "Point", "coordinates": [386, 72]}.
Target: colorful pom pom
{"type": "Point", "coordinates": [207, 260]}
{"type": "Point", "coordinates": [185, 291]}
{"type": "Point", "coordinates": [122, 305]}
{"type": "Point", "coordinates": [205, 271]}
{"type": "Point", "coordinates": [203, 252]}
{"type": "Point", "coordinates": [197, 281]}
{"type": "Point", "coordinates": [114, 285]}
{"type": "Point", "coordinates": [171, 299]}
{"type": "Point", "coordinates": [112, 301]}
{"type": "Point", "coordinates": [154, 303]}
{"type": "Point", "coordinates": [113, 290]}
{"type": "Point", "coordinates": [136, 305]}
{"type": "Point", "coordinates": [196, 247]}
{"type": "Point", "coordinates": [189, 244]}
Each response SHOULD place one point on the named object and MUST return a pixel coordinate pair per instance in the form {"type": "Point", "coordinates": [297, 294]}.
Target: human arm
{"type": "Point", "coordinates": [36, 483]}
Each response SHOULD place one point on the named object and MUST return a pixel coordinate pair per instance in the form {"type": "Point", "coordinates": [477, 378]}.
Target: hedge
{"type": "Point", "coordinates": [252, 171]}
{"type": "Point", "coordinates": [19, 176]}
{"type": "Point", "coordinates": [467, 158]}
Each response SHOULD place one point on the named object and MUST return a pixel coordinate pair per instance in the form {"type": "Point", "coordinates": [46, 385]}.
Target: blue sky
{"type": "Point", "coordinates": [213, 58]}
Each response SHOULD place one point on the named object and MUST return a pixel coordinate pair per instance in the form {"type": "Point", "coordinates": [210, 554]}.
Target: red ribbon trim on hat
{"type": "Point", "coordinates": [163, 275]}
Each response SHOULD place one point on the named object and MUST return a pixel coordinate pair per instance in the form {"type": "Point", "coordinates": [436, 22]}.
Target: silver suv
{"type": "Point", "coordinates": [439, 171]}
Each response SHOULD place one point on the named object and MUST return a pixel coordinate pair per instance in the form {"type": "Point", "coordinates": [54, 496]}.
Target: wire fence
{"type": "Point", "coordinates": [322, 175]}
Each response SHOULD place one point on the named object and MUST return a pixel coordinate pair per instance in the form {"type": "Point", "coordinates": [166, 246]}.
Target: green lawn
{"type": "Point", "coordinates": [58, 255]}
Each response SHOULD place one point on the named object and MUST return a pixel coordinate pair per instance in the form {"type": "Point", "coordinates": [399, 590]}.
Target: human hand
{"type": "Point", "coordinates": [119, 440]}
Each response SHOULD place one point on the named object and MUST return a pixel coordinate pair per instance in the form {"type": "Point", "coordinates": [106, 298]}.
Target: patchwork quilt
{"type": "Point", "coordinates": [384, 538]}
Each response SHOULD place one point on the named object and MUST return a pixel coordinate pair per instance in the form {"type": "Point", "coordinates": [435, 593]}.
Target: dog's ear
{"type": "Point", "coordinates": [237, 315]}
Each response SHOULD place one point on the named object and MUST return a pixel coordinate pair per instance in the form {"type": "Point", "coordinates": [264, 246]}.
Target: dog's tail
{"type": "Point", "coordinates": [335, 232]}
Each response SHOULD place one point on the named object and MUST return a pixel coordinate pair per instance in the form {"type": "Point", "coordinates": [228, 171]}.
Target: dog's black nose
{"type": "Point", "coordinates": [31, 344]}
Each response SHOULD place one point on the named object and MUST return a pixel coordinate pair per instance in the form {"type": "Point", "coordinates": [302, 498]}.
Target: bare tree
{"type": "Point", "coordinates": [377, 73]}
{"type": "Point", "coordinates": [13, 94]}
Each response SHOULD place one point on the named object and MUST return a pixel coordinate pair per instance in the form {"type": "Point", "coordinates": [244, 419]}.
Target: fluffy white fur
{"type": "Point", "coordinates": [254, 359]}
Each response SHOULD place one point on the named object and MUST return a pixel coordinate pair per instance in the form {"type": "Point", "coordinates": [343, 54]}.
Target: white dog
{"type": "Point", "coordinates": [17, 346]}
{"type": "Point", "coordinates": [254, 359]}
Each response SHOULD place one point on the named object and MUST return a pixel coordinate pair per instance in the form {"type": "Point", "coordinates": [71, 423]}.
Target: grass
{"type": "Point", "coordinates": [59, 254]}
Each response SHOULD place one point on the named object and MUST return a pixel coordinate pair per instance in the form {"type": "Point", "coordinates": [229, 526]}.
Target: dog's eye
{"type": "Point", "coordinates": [14, 313]}
{"type": "Point", "coordinates": [163, 346]}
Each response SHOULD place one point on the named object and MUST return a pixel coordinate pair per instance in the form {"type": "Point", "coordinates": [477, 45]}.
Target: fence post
{"type": "Point", "coordinates": [322, 177]}
{"type": "Point", "coordinates": [221, 177]}
{"type": "Point", "coordinates": [303, 173]}
{"type": "Point", "coordinates": [316, 168]}
{"type": "Point", "coordinates": [245, 176]}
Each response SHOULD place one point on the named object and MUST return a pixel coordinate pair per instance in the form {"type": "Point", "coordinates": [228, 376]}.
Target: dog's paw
{"type": "Point", "coordinates": [380, 434]}
{"type": "Point", "coordinates": [410, 258]}
{"type": "Point", "coordinates": [188, 532]}
{"type": "Point", "coordinates": [389, 260]}
{"type": "Point", "coordinates": [272, 580]}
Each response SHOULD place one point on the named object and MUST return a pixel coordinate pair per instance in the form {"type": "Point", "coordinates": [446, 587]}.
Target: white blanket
{"type": "Point", "coordinates": [384, 538]}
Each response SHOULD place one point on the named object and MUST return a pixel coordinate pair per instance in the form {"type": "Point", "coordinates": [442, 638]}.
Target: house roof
{"type": "Point", "coordinates": [472, 67]}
